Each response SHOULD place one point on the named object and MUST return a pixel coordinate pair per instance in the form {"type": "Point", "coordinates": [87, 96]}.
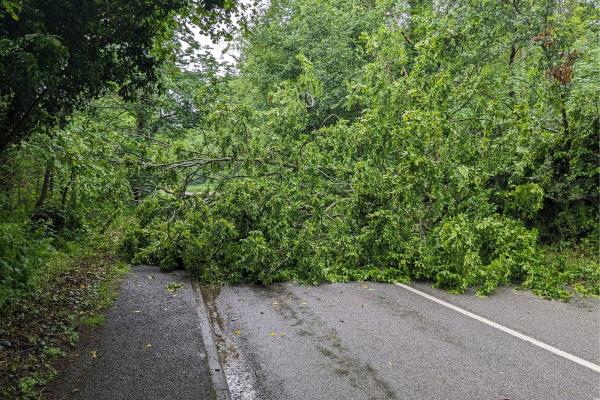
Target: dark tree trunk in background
{"type": "Point", "coordinates": [46, 186]}
{"type": "Point", "coordinates": [65, 190]}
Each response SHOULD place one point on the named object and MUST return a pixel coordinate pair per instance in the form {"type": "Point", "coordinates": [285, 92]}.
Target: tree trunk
{"type": "Point", "coordinates": [45, 186]}
{"type": "Point", "coordinates": [65, 190]}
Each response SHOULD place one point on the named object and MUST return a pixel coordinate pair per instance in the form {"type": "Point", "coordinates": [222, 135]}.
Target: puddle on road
{"type": "Point", "coordinates": [240, 375]}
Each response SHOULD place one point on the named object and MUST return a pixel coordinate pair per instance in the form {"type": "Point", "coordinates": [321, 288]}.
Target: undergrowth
{"type": "Point", "coordinates": [39, 326]}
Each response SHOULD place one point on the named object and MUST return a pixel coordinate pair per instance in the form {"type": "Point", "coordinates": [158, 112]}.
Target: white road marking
{"type": "Point", "coordinates": [564, 354]}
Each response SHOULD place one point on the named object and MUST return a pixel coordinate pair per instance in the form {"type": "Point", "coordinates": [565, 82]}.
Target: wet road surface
{"type": "Point", "coordinates": [150, 348]}
{"type": "Point", "coordinates": [348, 341]}
{"type": "Point", "coordinates": [381, 341]}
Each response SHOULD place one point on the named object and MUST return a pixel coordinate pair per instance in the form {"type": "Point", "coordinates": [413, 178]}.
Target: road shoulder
{"type": "Point", "coordinates": [149, 348]}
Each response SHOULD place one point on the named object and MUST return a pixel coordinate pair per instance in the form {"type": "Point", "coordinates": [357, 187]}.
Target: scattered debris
{"type": "Point", "coordinates": [174, 286]}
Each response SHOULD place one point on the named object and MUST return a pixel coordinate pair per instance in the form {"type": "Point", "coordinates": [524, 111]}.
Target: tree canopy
{"type": "Point", "coordinates": [455, 143]}
{"type": "Point", "coordinates": [391, 140]}
{"type": "Point", "coordinates": [57, 56]}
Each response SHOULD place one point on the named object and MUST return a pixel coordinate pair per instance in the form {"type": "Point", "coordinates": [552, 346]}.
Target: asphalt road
{"type": "Point", "coordinates": [337, 341]}
{"type": "Point", "coordinates": [150, 348]}
{"type": "Point", "coordinates": [382, 341]}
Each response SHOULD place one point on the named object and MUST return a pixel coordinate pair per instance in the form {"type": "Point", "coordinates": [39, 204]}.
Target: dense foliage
{"type": "Point", "coordinates": [56, 56]}
{"type": "Point", "coordinates": [453, 142]}
{"type": "Point", "coordinates": [456, 144]}
{"type": "Point", "coordinates": [68, 163]}
{"type": "Point", "coordinates": [81, 86]}
{"type": "Point", "coordinates": [390, 140]}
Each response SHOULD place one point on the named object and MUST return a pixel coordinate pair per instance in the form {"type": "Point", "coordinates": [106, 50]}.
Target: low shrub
{"type": "Point", "coordinates": [22, 251]}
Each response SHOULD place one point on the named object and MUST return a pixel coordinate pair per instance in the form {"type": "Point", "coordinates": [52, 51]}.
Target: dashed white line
{"type": "Point", "coordinates": [564, 354]}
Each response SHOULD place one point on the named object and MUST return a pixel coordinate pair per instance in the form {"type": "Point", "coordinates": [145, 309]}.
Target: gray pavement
{"type": "Point", "coordinates": [380, 341]}
{"type": "Point", "coordinates": [572, 326]}
{"type": "Point", "coordinates": [349, 341]}
{"type": "Point", "coordinates": [150, 347]}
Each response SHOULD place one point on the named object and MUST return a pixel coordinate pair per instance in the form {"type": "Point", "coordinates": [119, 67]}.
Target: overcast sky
{"type": "Point", "coordinates": [223, 51]}
{"type": "Point", "coordinates": [219, 50]}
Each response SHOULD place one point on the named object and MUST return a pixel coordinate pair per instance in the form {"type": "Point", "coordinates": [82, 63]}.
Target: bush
{"type": "Point", "coordinates": [560, 274]}
{"type": "Point", "coordinates": [21, 252]}
{"type": "Point", "coordinates": [55, 218]}
{"type": "Point", "coordinates": [484, 252]}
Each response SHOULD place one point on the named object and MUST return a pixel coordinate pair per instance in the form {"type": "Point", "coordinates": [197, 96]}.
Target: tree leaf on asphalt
{"type": "Point", "coordinates": [174, 286]}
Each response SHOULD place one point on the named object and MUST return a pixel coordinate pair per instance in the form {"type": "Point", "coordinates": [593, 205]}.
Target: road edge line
{"type": "Point", "coordinates": [217, 374]}
{"type": "Point", "coordinates": [519, 335]}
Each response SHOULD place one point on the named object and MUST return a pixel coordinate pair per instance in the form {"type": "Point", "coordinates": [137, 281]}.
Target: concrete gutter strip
{"type": "Point", "coordinates": [214, 364]}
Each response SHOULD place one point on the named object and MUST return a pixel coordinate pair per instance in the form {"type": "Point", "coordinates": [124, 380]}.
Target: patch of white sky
{"type": "Point", "coordinates": [225, 52]}
{"type": "Point", "coordinates": [222, 50]}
